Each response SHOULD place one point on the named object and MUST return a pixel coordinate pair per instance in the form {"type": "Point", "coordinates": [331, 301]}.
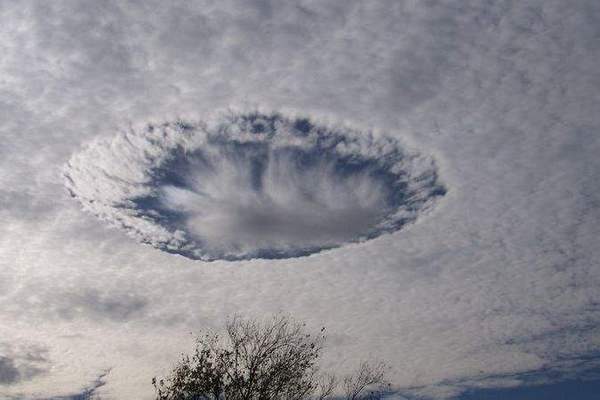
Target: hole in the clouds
{"type": "Point", "coordinates": [252, 185]}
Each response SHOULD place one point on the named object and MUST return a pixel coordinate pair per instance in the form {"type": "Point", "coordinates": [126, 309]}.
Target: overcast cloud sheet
{"type": "Point", "coordinates": [492, 279]}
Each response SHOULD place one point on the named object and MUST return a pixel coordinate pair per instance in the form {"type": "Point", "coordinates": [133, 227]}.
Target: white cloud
{"type": "Point", "coordinates": [499, 278]}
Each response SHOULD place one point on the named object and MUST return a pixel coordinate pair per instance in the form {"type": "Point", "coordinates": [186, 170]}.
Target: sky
{"type": "Point", "coordinates": [457, 212]}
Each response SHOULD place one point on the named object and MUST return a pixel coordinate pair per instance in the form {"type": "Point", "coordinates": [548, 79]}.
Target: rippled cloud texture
{"type": "Point", "coordinates": [494, 284]}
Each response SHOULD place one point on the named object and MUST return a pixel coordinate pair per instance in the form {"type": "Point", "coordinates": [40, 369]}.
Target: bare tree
{"type": "Point", "coordinates": [368, 382]}
{"type": "Point", "coordinates": [277, 360]}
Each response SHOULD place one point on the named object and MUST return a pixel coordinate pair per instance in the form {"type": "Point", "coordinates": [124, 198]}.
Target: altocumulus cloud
{"type": "Point", "coordinates": [252, 185]}
{"type": "Point", "coordinates": [491, 285]}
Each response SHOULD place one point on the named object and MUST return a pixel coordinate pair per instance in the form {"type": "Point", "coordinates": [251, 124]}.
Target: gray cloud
{"type": "Point", "coordinates": [499, 280]}
{"type": "Point", "coordinates": [94, 304]}
{"type": "Point", "coordinates": [85, 303]}
{"type": "Point", "coordinates": [21, 363]}
{"type": "Point", "coordinates": [8, 372]}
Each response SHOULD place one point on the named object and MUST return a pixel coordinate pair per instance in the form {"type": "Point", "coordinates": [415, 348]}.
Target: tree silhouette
{"type": "Point", "coordinates": [277, 360]}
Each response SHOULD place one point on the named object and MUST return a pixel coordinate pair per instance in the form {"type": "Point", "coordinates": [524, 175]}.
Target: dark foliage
{"type": "Point", "coordinates": [273, 361]}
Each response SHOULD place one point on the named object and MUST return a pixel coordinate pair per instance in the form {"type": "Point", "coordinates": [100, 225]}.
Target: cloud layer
{"type": "Point", "coordinates": [497, 284]}
{"type": "Point", "coordinates": [251, 185]}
